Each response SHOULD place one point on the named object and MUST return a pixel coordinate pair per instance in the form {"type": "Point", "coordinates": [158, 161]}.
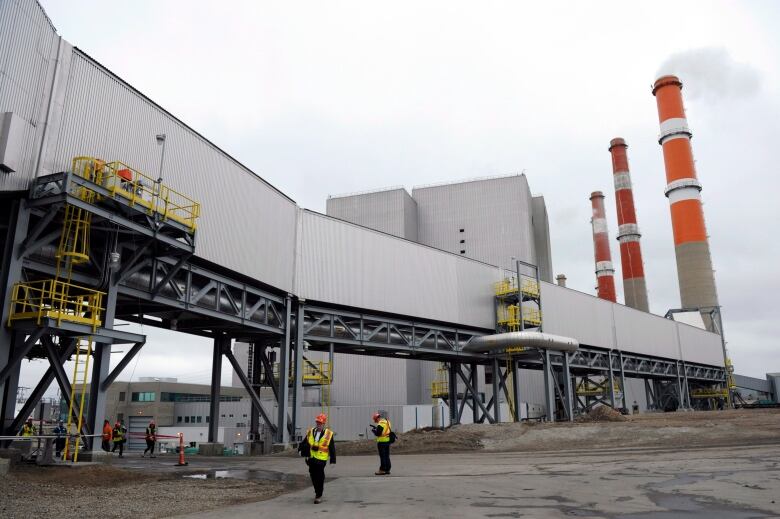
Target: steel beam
{"type": "Point", "coordinates": [549, 396]}
{"type": "Point", "coordinates": [129, 356]}
{"type": "Point", "coordinates": [497, 390]}
{"type": "Point", "coordinates": [216, 387]}
{"type": "Point", "coordinates": [622, 378]}
{"type": "Point", "coordinates": [298, 370]}
{"type": "Point", "coordinates": [474, 377]}
{"type": "Point", "coordinates": [567, 390]}
{"type": "Point", "coordinates": [611, 382]}
{"type": "Point", "coordinates": [247, 385]}
{"type": "Point", "coordinates": [516, 391]}
{"type": "Point", "coordinates": [282, 434]}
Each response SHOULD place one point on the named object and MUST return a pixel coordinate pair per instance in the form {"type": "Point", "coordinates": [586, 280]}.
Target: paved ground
{"type": "Point", "coordinates": [711, 483]}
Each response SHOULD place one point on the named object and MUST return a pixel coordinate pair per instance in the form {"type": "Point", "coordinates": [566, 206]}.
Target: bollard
{"type": "Point", "coordinates": [181, 451]}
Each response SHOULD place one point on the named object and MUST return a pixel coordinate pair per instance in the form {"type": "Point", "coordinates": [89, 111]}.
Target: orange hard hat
{"type": "Point", "coordinates": [375, 417]}
{"type": "Point", "coordinates": [321, 418]}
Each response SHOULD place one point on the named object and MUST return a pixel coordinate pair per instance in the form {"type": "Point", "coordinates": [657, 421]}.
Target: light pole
{"type": "Point", "coordinates": [161, 141]}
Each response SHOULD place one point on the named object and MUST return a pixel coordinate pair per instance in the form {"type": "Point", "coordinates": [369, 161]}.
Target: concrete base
{"type": "Point", "coordinates": [5, 466]}
{"type": "Point", "coordinates": [13, 456]}
{"type": "Point", "coordinates": [280, 447]}
{"type": "Point", "coordinates": [255, 448]}
{"type": "Point", "coordinates": [211, 449]}
{"type": "Point", "coordinates": [97, 457]}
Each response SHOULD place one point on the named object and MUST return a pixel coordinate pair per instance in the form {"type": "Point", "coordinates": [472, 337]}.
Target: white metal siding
{"type": "Point", "coordinates": [542, 238]}
{"type": "Point", "coordinates": [355, 266]}
{"type": "Point", "coordinates": [642, 332]}
{"type": "Point", "coordinates": [495, 215]}
{"type": "Point", "coordinates": [29, 48]}
{"type": "Point", "coordinates": [388, 211]}
{"type": "Point", "coordinates": [574, 314]}
{"type": "Point", "coordinates": [700, 346]}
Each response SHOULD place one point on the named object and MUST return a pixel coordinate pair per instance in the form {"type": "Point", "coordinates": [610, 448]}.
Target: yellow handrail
{"type": "Point", "coordinates": [58, 300]}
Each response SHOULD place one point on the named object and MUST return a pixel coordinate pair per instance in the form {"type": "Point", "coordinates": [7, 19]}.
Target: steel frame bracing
{"type": "Point", "coordinates": [161, 282]}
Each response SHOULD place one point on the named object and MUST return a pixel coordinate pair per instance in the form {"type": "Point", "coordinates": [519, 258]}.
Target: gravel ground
{"type": "Point", "coordinates": [102, 492]}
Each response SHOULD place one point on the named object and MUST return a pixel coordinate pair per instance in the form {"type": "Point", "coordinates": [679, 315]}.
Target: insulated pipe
{"type": "Point", "coordinates": [605, 272]}
{"type": "Point", "coordinates": [634, 287]}
{"type": "Point", "coordinates": [540, 340]}
{"type": "Point", "coordinates": [692, 248]}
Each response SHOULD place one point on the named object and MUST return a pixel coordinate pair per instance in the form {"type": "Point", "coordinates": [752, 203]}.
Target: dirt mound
{"type": "Point", "coordinates": [456, 438]}
{"type": "Point", "coordinates": [602, 414]}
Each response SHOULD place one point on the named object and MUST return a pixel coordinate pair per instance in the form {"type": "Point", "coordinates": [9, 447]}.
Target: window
{"type": "Point", "coordinates": [463, 241]}
{"type": "Point", "coordinates": [463, 252]}
{"type": "Point", "coordinates": [231, 416]}
{"type": "Point", "coordinates": [120, 417]}
{"type": "Point", "coordinates": [239, 424]}
{"type": "Point", "coordinates": [186, 419]}
{"type": "Point", "coordinates": [178, 419]}
{"type": "Point", "coordinates": [461, 230]}
{"type": "Point", "coordinates": [244, 416]}
{"type": "Point", "coordinates": [192, 419]}
{"type": "Point", "coordinates": [200, 419]}
{"type": "Point", "coordinates": [223, 416]}
{"type": "Point", "coordinates": [122, 396]}
{"type": "Point", "coordinates": [147, 396]}
{"type": "Point", "coordinates": [207, 419]}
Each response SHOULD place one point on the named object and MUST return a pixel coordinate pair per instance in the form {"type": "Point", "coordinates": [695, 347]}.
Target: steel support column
{"type": "Point", "coordinates": [254, 378]}
{"type": "Point", "coordinates": [282, 433]}
{"type": "Point", "coordinates": [649, 395]}
{"type": "Point", "coordinates": [549, 395]}
{"type": "Point", "coordinates": [496, 367]}
{"type": "Point", "coordinates": [567, 390]}
{"type": "Point", "coordinates": [474, 376]}
{"type": "Point", "coordinates": [216, 386]}
{"type": "Point", "coordinates": [516, 391]}
{"type": "Point", "coordinates": [298, 372]}
{"type": "Point", "coordinates": [101, 363]}
{"type": "Point", "coordinates": [611, 381]}
{"type": "Point", "coordinates": [622, 378]}
{"type": "Point", "coordinates": [18, 221]}
{"type": "Point", "coordinates": [452, 388]}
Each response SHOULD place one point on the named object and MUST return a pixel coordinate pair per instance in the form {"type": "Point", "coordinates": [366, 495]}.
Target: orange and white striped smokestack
{"type": "Point", "coordinates": [605, 272]}
{"type": "Point", "coordinates": [692, 248]}
{"type": "Point", "coordinates": [634, 286]}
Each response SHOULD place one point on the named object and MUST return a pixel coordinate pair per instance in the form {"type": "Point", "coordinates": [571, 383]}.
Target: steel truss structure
{"type": "Point", "coordinates": [147, 266]}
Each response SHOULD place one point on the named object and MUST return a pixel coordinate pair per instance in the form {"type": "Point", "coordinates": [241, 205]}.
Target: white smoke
{"type": "Point", "coordinates": [712, 74]}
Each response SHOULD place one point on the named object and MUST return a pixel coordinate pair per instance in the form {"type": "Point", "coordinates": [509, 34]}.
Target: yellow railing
{"type": "Point", "coordinates": [139, 189]}
{"type": "Point", "coordinates": [593, 389]}
{"type": "Point", "coordinates": [508, 286]}
{"type": "Point", "coordinates": [710, 393]}
{"type": "Point", "coordinates": [320, 373]}
{"type": "Point", "coordinates": [317, 372]}
{"type": "Point", "coordinates": [440, 389]}
{"type": "Point", "coordinates": [58, 300]}
{"type": "Point", "coordinates": [509, 316]}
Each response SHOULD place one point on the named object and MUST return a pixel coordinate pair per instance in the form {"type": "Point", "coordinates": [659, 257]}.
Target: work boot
{"type": "Point", "coordinates": [380, 473]}
{"type": "Point", "coordinates": [317, 500]}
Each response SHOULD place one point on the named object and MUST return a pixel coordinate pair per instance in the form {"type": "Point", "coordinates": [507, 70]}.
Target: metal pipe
{"type": "Point", "coordinates": [500, 341]}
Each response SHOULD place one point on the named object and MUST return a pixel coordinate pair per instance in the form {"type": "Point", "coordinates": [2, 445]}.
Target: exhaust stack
{"type": "Point", "coordinates": [605, 272]}
{"type": "Point", "coordinates": [692, 248]}
{"type": "Point", "coordinates": [634, 287]}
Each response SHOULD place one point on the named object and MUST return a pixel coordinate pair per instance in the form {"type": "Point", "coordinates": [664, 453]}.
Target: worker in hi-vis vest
{"type": "Point", "coordinates": [28, 429]}
{"type": "Point", "coordinates": [384, 437]}
{"type": "Point", "coordinates": [318, 448]}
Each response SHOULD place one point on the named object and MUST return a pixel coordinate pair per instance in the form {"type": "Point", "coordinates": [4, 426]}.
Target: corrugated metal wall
{"type": "Point", "coordinates": [243, 217]}
{"type": "Point", "coordinates": [541, 227]}
{"type": "Point", "coordinates": [28, 51]}
{"type": "Point", "coordinates": [351, 265]}
{"type": "Point", "coordinates": [392, 211]}
{"type": "Point", "coordinates": [596, 322]}
{"type": "Point", "coordinates": [495, 215]}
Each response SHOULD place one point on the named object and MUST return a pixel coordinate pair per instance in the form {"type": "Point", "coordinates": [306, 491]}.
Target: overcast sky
{"type": "Point", "coordinates": [330, 97]}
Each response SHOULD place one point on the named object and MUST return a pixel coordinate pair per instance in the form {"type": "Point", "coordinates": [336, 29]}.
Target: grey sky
{"type": "Point", "coordinates": [329, 97]}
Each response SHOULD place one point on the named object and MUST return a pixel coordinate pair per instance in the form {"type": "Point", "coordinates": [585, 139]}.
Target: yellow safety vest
{"type": "Point", "coordinates": [321, 451]}
{"type": "Point", "coordinates": [117, 436]}
{"type": "Point", "coordinates": [384, 423]}
{"type": "Point", "coordinates": [28, 431]}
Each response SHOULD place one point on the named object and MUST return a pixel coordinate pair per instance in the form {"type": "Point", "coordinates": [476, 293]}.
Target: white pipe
{"type": "Point", "coordinates": [540, 340]}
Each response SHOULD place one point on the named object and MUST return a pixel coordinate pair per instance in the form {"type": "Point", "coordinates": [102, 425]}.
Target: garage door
{"type": "Point", "coordinates": [136, 442]}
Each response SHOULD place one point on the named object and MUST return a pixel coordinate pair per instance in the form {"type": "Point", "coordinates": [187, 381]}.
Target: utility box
{"type": "Point", "coordinates": [11, 132]}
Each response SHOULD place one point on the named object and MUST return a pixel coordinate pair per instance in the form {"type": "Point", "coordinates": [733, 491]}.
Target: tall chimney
{"type": "Point", "coordinates": [634, 287]}
{"type": "Point", "coordinates": [692, 248]}
{"type": "Point", "coordinates": [605, 272]}
{"type": "Point", "coordinates": [561, 279]}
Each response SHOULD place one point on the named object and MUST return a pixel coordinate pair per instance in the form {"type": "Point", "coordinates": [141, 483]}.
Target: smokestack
{"type": "Point", "coordinates": [692, 248]}
{"type": "Point", "coordinates": [561, 279]}
{"type": "Point", "coordinates": [605, 272]}
{"type": "Point", "coordinates": [634, 287]}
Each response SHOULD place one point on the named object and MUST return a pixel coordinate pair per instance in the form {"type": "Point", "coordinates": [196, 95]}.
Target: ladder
{"type": "Point", "coordinates": [78, 390]}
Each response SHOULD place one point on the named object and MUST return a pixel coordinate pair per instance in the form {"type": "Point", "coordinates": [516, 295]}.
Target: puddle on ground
{"type": "Point", "coordinates": [243, 474]}
{"type": "Point", "coordinates": [682, 506]}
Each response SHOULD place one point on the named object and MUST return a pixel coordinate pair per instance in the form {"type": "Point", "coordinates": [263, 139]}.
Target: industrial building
{"type": "Point", "coordinates": [117, 210]}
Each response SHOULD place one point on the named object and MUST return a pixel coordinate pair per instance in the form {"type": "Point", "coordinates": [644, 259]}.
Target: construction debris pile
{"type": "Point", "coordinates": [602, 414]}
